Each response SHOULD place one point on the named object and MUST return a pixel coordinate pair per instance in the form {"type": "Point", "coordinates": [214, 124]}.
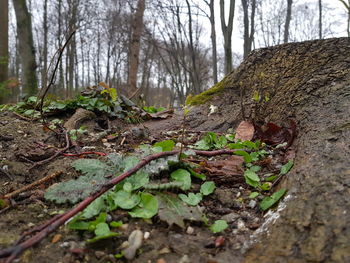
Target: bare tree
{"type": "Point", "coordinates": [136, 27]}
{"type": "Point", "coordinates": [3, 40]}
{"type": "Point", "coordinates": [287, 22]}
{"type": "Point", "coordinates": [26, 47]}
{"type": "Point", "coordinates": [249, 26]}
{"type": "Point", "coordinates": [45, 43]}
{"type": "Point", "coordinates": [227, 33]}
{"type": "Point", "coordinates": [214, 56]}
{"type": "Point", "coordinates": [320, 18]}
{"type": "Point", "coordinates": [347, 7]}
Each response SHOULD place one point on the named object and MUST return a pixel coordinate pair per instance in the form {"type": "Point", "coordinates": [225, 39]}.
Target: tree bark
{"type": "Point", "coordinates": [26, 47]}
{"type": "Point", "coordinates": [287, 23]}
{"type": "Point", "coordinates": [227, 33]}
{"type": "Point", "coordinates": [249, 26]}
{"type": "Point", "coordinates": [45, 29]}
{"type": "Point", "coordinates": [320, 19]}
{"type": "Point", "coordinates": [308, 82]}
{"type": "Point", "coordinates": [4, 40]}
{"type": "Point", "coordinates": [194, 74]}
{"type": "Point", "coordinates": [134, 50]}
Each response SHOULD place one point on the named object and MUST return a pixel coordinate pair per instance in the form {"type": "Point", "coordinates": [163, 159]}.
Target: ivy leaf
{"type": "Point", "coordinates": [191, 199]}
{"type": "Point", "coordinates": [285, 168]}
{"type": "Point", "coordinates": [246, 156]}
{"type": "Point", "coordinates": [173, 211]}
{"type": "Point", "coordinates": [123, 199]}
{"type": "Point", "coordinates": [269, 201]}
{"type": "Point", "coordinates": [167, 145]}
{"type": "Point", "coordinates": [251, 178]}
{"type": "Point", "coordinates": [147, 208]}
{"type": "Point", "coordinates": [182, 175]}
{"type": "Point", "coordinates": [207, 188]}
{"type": "Point", "coordinates": [218, 226]}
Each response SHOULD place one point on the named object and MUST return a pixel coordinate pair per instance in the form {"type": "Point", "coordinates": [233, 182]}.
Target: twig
{"type": "Point", "coordinates": [54, 155]}
{"type": "Point", "coordinates": [32, 185]}
{"type": "Point", "coordinates": [12, 252]}
{"type": "Point", "coordinates": [52, 80]}
{"type": "Point", "coordinates": [83, 153]}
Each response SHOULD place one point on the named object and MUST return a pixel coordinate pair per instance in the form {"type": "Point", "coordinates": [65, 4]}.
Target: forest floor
{"type": "Point", "coordinates": [24, 144]}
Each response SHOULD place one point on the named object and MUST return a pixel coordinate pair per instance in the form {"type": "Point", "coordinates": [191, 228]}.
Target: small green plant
{"type": "Point", "coordinates": [218, 226]}
{"type": "Point", "coordinates": [75, 133]}
{"type": "Point", "coordinates": [152, 109]}
{"type": "Point", "coordinates": [211, 141]}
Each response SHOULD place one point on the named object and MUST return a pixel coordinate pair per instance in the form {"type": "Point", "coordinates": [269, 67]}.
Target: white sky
{"type": "Point", "coordinates": [237, 41]}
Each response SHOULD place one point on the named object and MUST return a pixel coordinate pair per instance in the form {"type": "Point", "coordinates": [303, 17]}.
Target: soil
{"type": "Point", "coordinates": [25, 142]}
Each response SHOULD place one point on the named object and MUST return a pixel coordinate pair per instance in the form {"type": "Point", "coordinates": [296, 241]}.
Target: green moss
{"type": "Point", "coordinates": [208, 94]}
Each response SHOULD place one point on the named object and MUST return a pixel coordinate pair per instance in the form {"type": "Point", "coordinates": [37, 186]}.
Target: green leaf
{"type": "Point", "coordinates": [246, 156]}
{"type": "Point", "coordinates": [269, 201]}
{"type": "Point", "coordinates": [230, 137]}
{"type": "Point", "coordinates": [102, 231]}
{"type": "Point", "coordinates": [252, 175]}
{"type": "Point", "coordinates": [123, 199]}
{"type": "Point", "coordinates": [285, 168]}
{"type": "Point", "coordinates": [147, 208]}
{"type": "Point", "coordinates": [207, 188]}
{"type": "Point", "coordinates": [253, 195]}
{"type": "Point", "coordinates": [265, 186]}
{"type": "Point", "coordinates": [255, 168]}
{"type": "Point", "coordinates": [191, 199]}
{"type": "Point", "coordinates": [173, 211]}
{"type": "Point", "coordinates": [167, 145]}
{"type": "Point", "coordinates": [249, 144]}
{"type": "Point", "coordinates": [90, 167]}
{"type": "Point", "coordinates": [271, 178]}
{"type": "Point", "coordinates": [236, 145]}
{"type": "Point", "coordinates": [220, 143]}
{"type": "Point", "coordinates": [182, 175]}
{"type": "Point", "coordinates": [94, 208]}
{"type": "Point", "coordinates": [116, 223]}
{"type": "Point", "coordinates": [197, 175]}
{"type": "Point", "coordinates": [202, 145]}
{"type": "Point", "coordinates": [218, 226]}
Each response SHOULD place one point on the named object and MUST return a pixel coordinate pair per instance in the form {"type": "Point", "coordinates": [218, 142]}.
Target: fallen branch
{"type": "Point", "coordinates": [12, 252]}
{"type": "Point", "coordinates": [32, 185]}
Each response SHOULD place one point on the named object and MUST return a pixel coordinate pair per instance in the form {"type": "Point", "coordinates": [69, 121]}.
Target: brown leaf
{"type": "Point", "coordinates": [56, 238]}
{"type": "Point", "coordinates": [220, 241]}
{"type": "Point", "coordinates": [245, 131]}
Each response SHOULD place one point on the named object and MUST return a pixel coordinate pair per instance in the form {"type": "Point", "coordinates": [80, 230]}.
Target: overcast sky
{"type": "Point", "coordinates": [237, 43]}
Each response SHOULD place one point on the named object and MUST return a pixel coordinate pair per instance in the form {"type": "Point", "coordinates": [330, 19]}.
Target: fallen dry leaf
{"type": "Point", "coordinates": [245, 131]}
{"type": "Point", "coordinates": [56, 238]}
{"type": "Point", "coordinates": [230, 166]}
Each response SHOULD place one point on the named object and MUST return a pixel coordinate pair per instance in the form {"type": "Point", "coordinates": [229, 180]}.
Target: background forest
{"type": "Point", "coordinates": [157, 50]}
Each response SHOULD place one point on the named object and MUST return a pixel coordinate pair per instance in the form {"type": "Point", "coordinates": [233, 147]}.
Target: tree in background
{"type": "Point", "coordinates": [320, 19]}
{"type": "Point", "coordinates": [26, 47]}
{"type": "Point", "coordinates": [347, 7]}
{"type": "Point", "coordinates": [249, 25]}
{"type": "Point", "coordinates": [4, 55]}
{"type": "Point", "coordinates": [136, 28]}
{"type": "Point", "coordinates": [227, 33]}
{"type": "Point", "coordinates": [287, 22]}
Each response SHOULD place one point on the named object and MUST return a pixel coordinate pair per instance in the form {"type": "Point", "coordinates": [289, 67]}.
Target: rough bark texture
{"type": "Point", "coordinates": [137, 26]}
{"type": "Point", "coordinates": [26, 47]}
{"type": "Point", "coordinates": [310, 83]}
{"type": "Point", "coordinates": [3, 40]}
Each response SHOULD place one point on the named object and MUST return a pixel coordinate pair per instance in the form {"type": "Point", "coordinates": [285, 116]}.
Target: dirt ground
{"type": "Point", "coordinates": [23, 142]}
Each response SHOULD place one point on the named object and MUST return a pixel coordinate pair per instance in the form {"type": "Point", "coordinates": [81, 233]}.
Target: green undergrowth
{"type": "Point", "coordinates": [172, 197]}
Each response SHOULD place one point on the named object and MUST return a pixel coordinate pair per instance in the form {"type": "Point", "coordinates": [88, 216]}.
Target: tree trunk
{"type": "Point", "coordinates": [287, 23]}
{"type": "Point", "coordinates": [213, 41]}
{"type": "Point", "coordinates": [320, 19]}
{"type": "Point", "coordinates": [194, 74]}
{"type": "Point", "coordinates": [227, 33]}
{"type": "Point", "coordinates": [26, 47]}
{"type": "Point", "coordinates": [134, 51]}
{"type": "Point", "coordinates": [3, 41]}
{"type": "Point", "coordinates": [45, 29]}
{"type": "Point", "coordinates": [308, 82]}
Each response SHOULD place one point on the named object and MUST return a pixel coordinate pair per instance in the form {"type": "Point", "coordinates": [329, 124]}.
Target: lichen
{"type": "Point", "coordinates": [208, 94]}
